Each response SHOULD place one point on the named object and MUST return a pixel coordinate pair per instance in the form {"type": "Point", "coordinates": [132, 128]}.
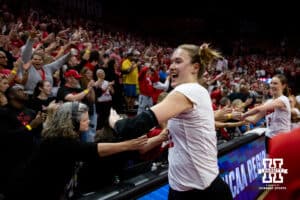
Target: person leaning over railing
{"type": "Point", "coordinates": [51, 168]}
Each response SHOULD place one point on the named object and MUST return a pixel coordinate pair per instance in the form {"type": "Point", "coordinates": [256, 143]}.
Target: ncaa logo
{"type": "Point", "coordinates": [272, 171]}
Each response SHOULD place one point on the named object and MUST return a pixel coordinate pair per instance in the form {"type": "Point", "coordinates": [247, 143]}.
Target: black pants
{"type": "Point", "coordinates": [103, 111]}
{"type": "Point", "coordinates": [217, 190]}
{"type": "Point", "coordinates": [267, 142]}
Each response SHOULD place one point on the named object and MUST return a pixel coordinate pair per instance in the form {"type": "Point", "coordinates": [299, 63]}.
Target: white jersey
{"type": "Point", "coordinates": [193, 162]}
{"type": "Point", "coordinates": [279, 120]}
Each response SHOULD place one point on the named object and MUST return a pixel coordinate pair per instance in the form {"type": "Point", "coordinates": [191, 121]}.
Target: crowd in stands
{"type": "Point", "coordinates": [65, 61]}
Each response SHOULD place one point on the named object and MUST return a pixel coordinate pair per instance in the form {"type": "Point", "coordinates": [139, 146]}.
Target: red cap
{"type": "Point", "coordinates": [73, 73]}
{"type": "Point", "coordinates": [5, 72]}
{"type": "Point", "coordinates": [89, 66]}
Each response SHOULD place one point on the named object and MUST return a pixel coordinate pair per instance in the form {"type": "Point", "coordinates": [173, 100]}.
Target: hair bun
{"type": "Point", "coordinates": [204, 46]}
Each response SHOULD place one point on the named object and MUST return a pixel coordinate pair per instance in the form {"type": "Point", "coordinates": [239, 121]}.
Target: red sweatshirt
{"type": "Point", "coordinates": [145, 83]}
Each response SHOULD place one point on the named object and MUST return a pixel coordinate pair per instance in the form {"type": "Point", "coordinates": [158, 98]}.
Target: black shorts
{"type": "Point", "coordinates": [217, 189]}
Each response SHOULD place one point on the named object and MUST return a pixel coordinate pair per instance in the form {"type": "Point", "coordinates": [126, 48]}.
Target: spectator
{"type": "Point", "coordinates": [104, 91]}
{"type": "Point", "coordinates": [50, 168]}
{"type": "Point", "coordinates": [41, 97]}
{"type": "Point", "coordinates": [3, 87]}
{"type": "Point", "coordinates": [71, 90]}
{"type": "Point", "coordinates": [295, 112]}
{"type": "Point", "coordinates": [38, 71]}
{"type": "Point", "coordinates": [20, 132]}
{"type": "Point", "coordinates": [129, 70]}
{"type": "Point", "coordinates": [146, 88]}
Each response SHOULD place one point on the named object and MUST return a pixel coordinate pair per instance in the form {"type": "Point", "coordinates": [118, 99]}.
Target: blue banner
{"type": "Point", "coordinates": [238, 168]}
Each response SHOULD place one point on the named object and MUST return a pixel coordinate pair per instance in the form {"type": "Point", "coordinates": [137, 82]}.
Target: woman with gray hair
{"type": "Point", "coordinates": [53, 164]}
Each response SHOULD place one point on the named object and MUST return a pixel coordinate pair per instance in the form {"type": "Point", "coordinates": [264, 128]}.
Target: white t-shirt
{"type": "Point", "coordinates": [193, 162]}
{"type": "Point", "coordinates": [279, 120]}
{"type": "Point", "coordinates": [106, 96]}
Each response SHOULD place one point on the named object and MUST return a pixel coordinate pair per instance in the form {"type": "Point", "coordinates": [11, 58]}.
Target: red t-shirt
{"type": "Point", "coordinates": [156, 151]}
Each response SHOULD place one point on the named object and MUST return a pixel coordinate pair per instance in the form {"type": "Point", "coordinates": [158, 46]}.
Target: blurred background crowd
{"type": "Point", "coordinates": [88, 51]}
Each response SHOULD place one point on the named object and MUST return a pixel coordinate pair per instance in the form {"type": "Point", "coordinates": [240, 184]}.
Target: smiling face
{"type": "Point", "coordinates": [100, 74]}
{"type": "Point", "coordinates": [37, 61]}
{"type": "Point", "coordinates": [276, 87]}
{"type": "Point", "coordinates": [181, 68]}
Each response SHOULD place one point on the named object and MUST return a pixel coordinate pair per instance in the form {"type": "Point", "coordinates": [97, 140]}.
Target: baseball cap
{"type": "Point", "coordinates": [5, 72]}
{"type": "Point", "coordinates": [73, 73]}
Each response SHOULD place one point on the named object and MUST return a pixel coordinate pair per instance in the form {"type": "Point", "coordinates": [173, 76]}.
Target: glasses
{"type": "Point", "coordinates": [2, 56]}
